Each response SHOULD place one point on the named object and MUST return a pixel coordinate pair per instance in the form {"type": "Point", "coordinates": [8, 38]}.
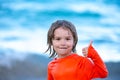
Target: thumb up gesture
{"type": "Point", "coordinates": [85, 49]}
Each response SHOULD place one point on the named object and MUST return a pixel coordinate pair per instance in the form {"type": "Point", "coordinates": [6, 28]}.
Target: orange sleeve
{"type": "Point", "coordinates": [99, 68]}
{"type": "Point", "coordinates": [49, 75]}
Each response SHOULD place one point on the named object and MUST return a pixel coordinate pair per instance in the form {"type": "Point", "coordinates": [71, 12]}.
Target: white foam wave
{"type": "Point", "coordinates": [33, 41]}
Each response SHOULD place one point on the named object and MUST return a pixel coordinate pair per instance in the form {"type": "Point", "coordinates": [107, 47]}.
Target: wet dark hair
{"type": "Point", "coordinates": [50, 35]}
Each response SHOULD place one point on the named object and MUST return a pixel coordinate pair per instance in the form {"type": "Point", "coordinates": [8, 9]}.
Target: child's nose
{"type": "Point", "coordinates": [63, 42]}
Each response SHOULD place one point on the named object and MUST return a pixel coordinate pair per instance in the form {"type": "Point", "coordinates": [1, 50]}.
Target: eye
{"type": "Point", "coordinates": [57, 39]}
{"type": "Point", "coordinates": [68, 38]}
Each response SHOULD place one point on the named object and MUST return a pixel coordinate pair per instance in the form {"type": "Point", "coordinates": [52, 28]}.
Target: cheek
{"type": "Point", "coordinates": [71, 44]}
{"type": "Point", "coordinates": [54, 43]}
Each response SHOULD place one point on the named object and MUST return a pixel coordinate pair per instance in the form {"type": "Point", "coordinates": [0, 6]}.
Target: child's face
{"type": "Point", "coordinates": [63, 42]}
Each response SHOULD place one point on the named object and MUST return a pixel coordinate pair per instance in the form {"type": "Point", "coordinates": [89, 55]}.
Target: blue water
{"type": "Point", "coordinates": [24, 24]}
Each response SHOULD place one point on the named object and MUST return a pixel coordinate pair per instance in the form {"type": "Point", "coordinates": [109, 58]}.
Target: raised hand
{"type": "Point", "coordinates": [85, 49]}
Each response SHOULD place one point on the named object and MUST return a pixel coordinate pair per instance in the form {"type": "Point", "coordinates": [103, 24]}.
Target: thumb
{"type": "Point", "coordinates": [90, 43]}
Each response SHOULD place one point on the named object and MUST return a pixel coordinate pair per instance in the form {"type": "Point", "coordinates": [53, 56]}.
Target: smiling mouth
{"type": "Point", "coordinates": [63, 48]}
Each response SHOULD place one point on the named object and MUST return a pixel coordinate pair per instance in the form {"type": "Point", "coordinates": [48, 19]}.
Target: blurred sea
{"type": "Point", "coordinates": [24, 25]}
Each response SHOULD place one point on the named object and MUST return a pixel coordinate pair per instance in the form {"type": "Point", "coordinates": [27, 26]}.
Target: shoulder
{"type": "Point", "coordinates": [51, 62]}
{"type": "Point", "coordinates": [81, 59]}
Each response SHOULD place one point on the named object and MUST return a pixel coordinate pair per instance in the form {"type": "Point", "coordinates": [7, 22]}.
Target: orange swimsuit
{"type": "Point", "coordinates": [75, 67]}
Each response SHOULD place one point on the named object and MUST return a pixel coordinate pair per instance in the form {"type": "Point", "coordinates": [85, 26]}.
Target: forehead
{"type": "Point", "coordinates": [62, 31]}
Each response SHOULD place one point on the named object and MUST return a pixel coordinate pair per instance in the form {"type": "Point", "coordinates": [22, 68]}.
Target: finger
{"type": "Point", "coordinates": [90, 43]}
